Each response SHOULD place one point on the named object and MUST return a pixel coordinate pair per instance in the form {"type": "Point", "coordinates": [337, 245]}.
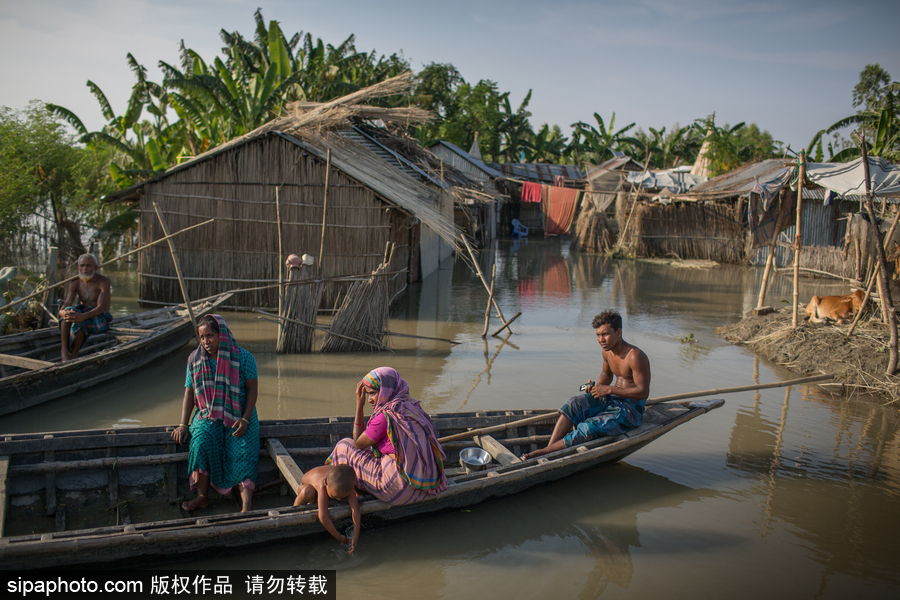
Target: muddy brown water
{"type": "Point", "coordinates": [784, 493]}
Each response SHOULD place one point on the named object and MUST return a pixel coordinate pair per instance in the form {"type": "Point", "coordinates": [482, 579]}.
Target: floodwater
{"type": "Point", "coordinates": [781, 493]}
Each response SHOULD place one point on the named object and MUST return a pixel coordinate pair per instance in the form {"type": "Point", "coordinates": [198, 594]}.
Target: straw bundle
{"type": "Point", "coordinates": [363, 314]}
{"type": "Point", "coordinates": [301, 303]}
{"type": "Point", "coordinates": [593, 232]}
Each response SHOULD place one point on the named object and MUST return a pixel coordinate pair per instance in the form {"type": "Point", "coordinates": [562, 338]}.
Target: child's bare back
{"type": "Point", "coordinates": [331, 482]}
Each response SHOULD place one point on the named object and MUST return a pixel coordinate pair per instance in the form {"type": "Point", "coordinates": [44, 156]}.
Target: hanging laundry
{"type": "Point", "coordinates": [559, 210]}
{"type": "Point", "coordinates": [532, 192]}
{"type": "Point", "coordinates": [559, 180]}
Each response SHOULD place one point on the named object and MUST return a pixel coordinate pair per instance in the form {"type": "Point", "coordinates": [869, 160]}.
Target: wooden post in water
{"type": "Point", "coordinates": [278, 265]}
{"type": "Point", "coordinates": [802, 174]}
{"type": "Point", "coordinates": [770, 260]}
{"type": "Point", "coordinates": [324, 209]}
{"type": "Point", "coordinates": [487, 310]}
{"type": "Point", "coordinates": [184, 293]}
{"type": "Point", "coordinates": [884, 290]}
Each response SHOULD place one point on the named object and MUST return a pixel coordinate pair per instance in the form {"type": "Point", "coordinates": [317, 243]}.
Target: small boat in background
{"type": "Point", "coordinates": [31, 372]}
{"type": "Point", "coordinates": [106, 497]}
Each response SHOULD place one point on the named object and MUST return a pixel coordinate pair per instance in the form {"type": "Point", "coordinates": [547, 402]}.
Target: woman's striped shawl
{"type": "Point", "coordinates": [218, 395]}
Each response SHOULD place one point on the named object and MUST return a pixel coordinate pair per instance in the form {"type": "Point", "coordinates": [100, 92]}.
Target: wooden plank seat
{"type": "Point", "coordinates": [285, 462]}
{"type": "Point", "coordinates": [498, 451]}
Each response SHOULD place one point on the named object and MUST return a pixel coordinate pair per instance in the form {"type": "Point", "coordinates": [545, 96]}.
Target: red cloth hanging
{"type": "Point", "coordinates": [559, 210]}
{"type": "Point", "coordinates": [532, 192]}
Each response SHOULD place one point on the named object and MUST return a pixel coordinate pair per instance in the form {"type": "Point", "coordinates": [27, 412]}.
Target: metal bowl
{"type": "Point", "coordinates": [474, 459]}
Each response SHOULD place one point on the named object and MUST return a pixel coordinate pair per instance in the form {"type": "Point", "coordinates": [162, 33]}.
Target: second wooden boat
{"type": "Point", "coordinates": [31, 373]}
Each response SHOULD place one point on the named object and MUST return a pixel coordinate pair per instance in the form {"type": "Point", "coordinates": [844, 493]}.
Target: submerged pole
{"type": "Point", "coordinates": [802, 174]}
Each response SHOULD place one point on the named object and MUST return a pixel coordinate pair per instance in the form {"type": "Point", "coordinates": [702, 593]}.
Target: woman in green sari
{"type": "Point", "coordinates": [224, 433]}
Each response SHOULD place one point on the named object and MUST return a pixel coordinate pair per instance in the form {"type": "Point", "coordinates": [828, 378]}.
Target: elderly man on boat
{"type": "Point", "coordinates": [604, 409]}
{"type": "Point", "coordinates": [91, 314]}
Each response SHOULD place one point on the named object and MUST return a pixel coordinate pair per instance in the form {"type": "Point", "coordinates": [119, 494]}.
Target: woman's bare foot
{"type": "Point", "coordinates": [199, 502]}
{"type": "Point", "coordinates": [247, 497]}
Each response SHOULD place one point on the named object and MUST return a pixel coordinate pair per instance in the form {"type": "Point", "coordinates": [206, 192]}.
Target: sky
{"type": "Point", "coordinates": [788, 66]}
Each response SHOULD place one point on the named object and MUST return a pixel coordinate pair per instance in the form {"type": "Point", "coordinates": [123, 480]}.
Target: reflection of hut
{"type": "Point", "coordinates": [476, 213]}
{"type": "Point", "coordinates": [343, 193]}
{"type": "Point", "coordinates": [530, 213]}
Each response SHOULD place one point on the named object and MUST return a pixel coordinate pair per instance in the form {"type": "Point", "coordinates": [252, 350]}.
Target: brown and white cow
{"type": "Point", "coordinates": [834, 308]}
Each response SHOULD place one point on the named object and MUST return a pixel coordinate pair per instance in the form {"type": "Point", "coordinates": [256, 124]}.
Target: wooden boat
{"type": "Point", "coordinates": [105, 497]}
{"type": "Point", "coordinates": [31, 371]}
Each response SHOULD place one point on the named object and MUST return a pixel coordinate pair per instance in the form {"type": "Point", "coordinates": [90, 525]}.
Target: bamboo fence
{"type": "Point", "coordinates": [241, 249]}
{"type": "Point", "coordinates": [686, 230]}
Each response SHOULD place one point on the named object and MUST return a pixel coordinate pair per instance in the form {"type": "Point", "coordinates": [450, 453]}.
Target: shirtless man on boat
{"type": "Point", "coordinates": [91, 314]}
{"type": "Point", "coordinates": [605, 409]}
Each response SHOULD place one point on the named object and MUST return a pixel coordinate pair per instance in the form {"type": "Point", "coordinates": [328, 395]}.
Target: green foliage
{"type": "Point", "coordinates": [879, 121]}
{"type": "Point", "coordinates": [870, 91]}
{"type": "Point", "coordinates": [16, 283]}
{"type": "Point", "coordinates": [43, 172]}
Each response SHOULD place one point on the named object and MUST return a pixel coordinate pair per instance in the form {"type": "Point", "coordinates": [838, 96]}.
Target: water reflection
{"type": "Point", "coordinates": [784, 492]}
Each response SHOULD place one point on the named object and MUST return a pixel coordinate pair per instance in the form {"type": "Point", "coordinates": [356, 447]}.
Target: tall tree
{"type": "Point", "coordinates": [45, 175]}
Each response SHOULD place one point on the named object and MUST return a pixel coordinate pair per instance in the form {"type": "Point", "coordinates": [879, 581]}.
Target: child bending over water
{"type": "Point", "coordinates": [327, 482]}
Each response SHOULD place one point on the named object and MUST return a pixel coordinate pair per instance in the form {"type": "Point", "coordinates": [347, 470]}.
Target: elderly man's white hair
{"type": "Point", "coordinates": [90, 256]}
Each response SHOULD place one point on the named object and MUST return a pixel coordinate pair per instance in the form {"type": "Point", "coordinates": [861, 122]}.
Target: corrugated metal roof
{"type": "Point", "coordinates": [389, 156]}
{"type": "Point", "coordinates": [478, 163]}
{"type": "Point", "coordinates": [540, 171]}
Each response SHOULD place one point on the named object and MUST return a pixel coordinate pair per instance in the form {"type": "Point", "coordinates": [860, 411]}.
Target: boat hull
{"type": "Point", "coordinates": [308, 442]}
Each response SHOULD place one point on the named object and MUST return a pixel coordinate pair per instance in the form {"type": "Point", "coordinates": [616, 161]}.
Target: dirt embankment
{"type": "Point", "coordinates": [858, 362]}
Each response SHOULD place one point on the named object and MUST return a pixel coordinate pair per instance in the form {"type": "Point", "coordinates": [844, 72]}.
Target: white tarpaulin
{"type": "Point", "coordinates": [850, 178]}
{"type": "Point", "coordinates": [677, 180]}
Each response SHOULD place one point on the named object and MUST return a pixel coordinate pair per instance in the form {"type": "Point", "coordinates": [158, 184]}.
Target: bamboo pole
{"type": "Point", "coordinates": [324, 208]}
{"type": "Point", "coordinates": [483, 280]}
{"type": "Point", "coordinates": [549, 415]}
{"type": "Point", "coordinates": [743, 388]}
{"type": "Point", "coordinates": [770, 260]}
{"type": "Point", "coordinates": [872, 278]}
{"type": "Point", "coordinates": [869, 286]}
{"type": "Point", "coordinates": [802, 174]}
{"type": "Point", "coordinates": [327, 330]}
{"type": "Point", "coordinates": [887, 303]}
{"type": "Point", "coordinates": [184, 293]}
{"type": "Point", "coordinates": [508, 323]}
{"type": "Point", "coordinates": [487, 310]}
{"type": "Point", "coordinates": [278, 264]}
{"type": "Point", "coordinates": [51, 279]}
{"type": "Point", "coordinates": [502, 427]}
{"type": "Point", "coordinates": [319, 327]}
{"type": "Point", "coordinates": [109, 262]}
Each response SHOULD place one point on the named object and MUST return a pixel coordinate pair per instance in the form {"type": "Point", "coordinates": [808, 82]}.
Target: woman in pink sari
{"type": "Point", "coordinates": [396, 456]}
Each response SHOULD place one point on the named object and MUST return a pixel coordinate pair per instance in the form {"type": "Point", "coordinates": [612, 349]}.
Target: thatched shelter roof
{"type": "Point", "coordinates": [336, 126]}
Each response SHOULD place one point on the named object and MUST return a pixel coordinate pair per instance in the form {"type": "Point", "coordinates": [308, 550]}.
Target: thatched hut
{"type": "Point", "coordinates": [321, 180]}
{"type": "Point", "coordinates": [711, 222]}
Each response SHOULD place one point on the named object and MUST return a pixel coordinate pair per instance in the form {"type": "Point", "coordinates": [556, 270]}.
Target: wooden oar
{"type": "Point", "coordinates": [743, 388]}
{"type": "Point", "coordinates": [502, 427]}
{"type": "Point", "coordinates": [553, 415]}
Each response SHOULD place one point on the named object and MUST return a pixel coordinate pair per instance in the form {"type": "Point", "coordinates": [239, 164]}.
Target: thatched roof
{"type": "Point", "coordinates": [320, 127]}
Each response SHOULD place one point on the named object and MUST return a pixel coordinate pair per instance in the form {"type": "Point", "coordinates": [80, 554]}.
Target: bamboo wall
{"type": "Point", "coordinates": [240, 249]}
{"type": "Point", "coordinates": [687, 230]}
